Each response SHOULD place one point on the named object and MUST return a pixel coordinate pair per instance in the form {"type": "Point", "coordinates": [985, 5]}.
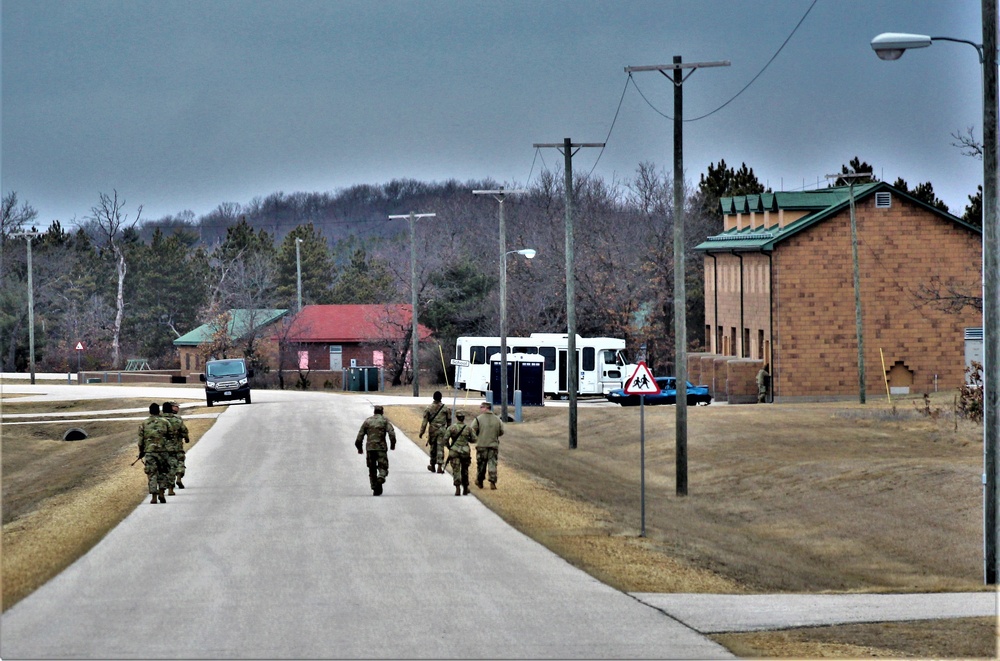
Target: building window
{"type": "Point", "coordinates": [760, 344]}
{"type": "Point", "coordinates": [745, 349]}
{"type": "Point", "coordinates": [732, 340]}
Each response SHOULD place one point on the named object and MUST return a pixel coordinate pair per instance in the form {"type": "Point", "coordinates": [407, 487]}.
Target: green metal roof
{"type": "Point", "coordinates": [241, 321]}
{"type": "Point", "coordinates": [819, 205]}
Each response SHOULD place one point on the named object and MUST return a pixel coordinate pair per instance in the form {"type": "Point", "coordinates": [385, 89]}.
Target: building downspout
{"type": "Point", "coordinates": [715, 303]}
{"type": "Point", "coordinates": [770, 315]}
{"type": "Point", "coordinates": [743, 348]}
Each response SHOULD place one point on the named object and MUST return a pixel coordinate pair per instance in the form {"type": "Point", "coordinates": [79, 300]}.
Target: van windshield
{"type": "Point", "coordinates": [225, 368]}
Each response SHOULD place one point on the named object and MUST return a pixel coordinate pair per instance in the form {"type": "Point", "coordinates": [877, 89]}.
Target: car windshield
{"type": "Point", "coordinates": [226, 368]}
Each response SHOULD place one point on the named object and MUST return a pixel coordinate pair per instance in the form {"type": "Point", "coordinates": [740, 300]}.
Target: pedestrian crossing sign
{"type": "Point", "coordinates": [642, 382]}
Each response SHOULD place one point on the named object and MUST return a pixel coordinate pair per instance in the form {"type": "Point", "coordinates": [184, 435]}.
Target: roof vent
{"type": "Point", "coordinates": [883, 200]}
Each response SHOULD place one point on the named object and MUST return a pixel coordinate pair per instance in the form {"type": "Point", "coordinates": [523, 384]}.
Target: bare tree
{"type": "Point", "coordinates": [110, 224]}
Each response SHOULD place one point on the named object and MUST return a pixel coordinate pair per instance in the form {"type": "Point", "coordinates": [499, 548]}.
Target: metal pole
{"type": "Point", "coordinates": [642, 463]}
{"type": "Point", "coordinates": [503, 316]}
{"type": "Point", "coordinates": [991, 296]}
{"type": "Point", "coordinates": [415, 336]}
{"type": "Point", "coordinates": [680, 289]}
{"type": "Point", "coordinates": [572, 373]}
{"type": "Point", "coordinates": [31, 314]}
{"type": "Point", "coordinates": [298, 273]}
{"type": "Point", "coordinates": [857, 301]}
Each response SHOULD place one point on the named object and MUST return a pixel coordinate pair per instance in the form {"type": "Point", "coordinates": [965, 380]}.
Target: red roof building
{"type": "Point", "coordinates": [333, 337]}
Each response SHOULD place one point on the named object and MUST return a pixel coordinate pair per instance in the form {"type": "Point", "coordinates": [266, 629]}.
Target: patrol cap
{"type": "Point", "coordinates": [460, 415]}
{"type": "Point", "coordinates": [154, 409]}
{"type": "Point", "coordinates": [378, 408]}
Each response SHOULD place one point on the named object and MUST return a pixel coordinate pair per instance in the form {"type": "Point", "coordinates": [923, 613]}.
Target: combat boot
{"type": "Point", "coordinates": [170, 492]}
{"type": "Point", "coordinates": [458, 490]}
{"type": "Point", "coordinates": [180, 485]}
{"type": "Point", "coordinates": [465, 490]}
{"type": "Point", "coordinates": [493, 485]}
{"type": "Point", "coordinates": [430, 467]}
{"type": "Point", "coordinates": [159, 494]}
{"type": "Point", "coordinates": [479, 483]}
{"type": "Point", "coordinates": [440, 468]}
{"type": "Point", "coordinates": [152, 500]}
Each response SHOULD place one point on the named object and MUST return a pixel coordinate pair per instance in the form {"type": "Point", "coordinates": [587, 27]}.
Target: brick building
{"type": "Point", "coordinates": [333, 337]}
{"type": "Point", "coordinates": [193, 348]}
{"type": "Point", "coordinates": [779, 289]}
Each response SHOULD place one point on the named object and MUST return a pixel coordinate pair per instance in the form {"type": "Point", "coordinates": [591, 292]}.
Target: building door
{"type": "Point", "coordinates": [336, 357]}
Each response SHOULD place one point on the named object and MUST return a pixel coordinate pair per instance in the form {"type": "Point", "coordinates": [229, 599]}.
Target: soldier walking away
{"type": "Point", "coordinates": [376, 428]}
{"type": "Point", "coordinates": [437, 417]}
{"type": "Point", "coordinates": [151, 438]}
{"type": "Point", "coordinates": [176, 437]}
{"type": "Point", "coordinates": [460, 436]}
{"type": "Point", "coordinates": [488, 429]}
{"type": "Point", "coordinates": [763, 384]}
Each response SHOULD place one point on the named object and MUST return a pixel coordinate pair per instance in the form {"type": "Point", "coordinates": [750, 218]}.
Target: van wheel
{"type": "Point", "coordinates": [248, 398]}
{"type": "Point", "coordinates": [209, 401]}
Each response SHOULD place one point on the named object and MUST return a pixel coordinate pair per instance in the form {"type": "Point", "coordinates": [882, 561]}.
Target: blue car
{"type": "Point", "coordinates": [668, 394]}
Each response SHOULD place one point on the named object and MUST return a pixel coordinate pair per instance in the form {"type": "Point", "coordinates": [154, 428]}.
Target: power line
{"type": "Point", "coordinates": [745, 87]}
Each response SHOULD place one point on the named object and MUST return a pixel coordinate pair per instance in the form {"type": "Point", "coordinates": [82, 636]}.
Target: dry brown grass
{"type": "Point", "coordinates": [811, 497]}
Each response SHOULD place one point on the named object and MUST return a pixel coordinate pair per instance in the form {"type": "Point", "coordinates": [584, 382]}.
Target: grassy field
{"type": "Point", "coordinates": [798, 498]}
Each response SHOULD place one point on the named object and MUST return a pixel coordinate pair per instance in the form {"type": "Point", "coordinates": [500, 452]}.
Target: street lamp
{"type": "Point", "coordinates": [530, 254]}
{"type": "Point", "coordinates": [890, 46]}
{"type": "Point", "coordinates": [500, 194]}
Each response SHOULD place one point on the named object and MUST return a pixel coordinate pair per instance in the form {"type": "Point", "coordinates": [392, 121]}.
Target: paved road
{"type": "Point", "coordinates": [280, 551]}
{"type": "Point", "coordinates": [277, 549]}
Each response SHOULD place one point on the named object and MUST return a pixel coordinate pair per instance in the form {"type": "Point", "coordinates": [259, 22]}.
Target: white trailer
{"type": "Point", "coordinates": [601, 361]}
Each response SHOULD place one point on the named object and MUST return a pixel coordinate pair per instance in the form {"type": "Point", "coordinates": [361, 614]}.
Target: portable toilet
{"type": "Point", "coordinates": [525, 372]}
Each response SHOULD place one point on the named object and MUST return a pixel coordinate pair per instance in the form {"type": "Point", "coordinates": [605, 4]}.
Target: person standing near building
{"type": "Point", "coordinates": [488, 429]}
{"type": "Point", "coordinates": [152, 433]}
{"type": "Point", "coordinates": [460, 437]}
{"type": "Point", "coordinates": [437, 417]}
{"type": "Point", "coordinates": [175, 439]}
{"type": "Point", "coordinates": [376, 428]}
{"type": "Point", "coordinates": [763, 384]}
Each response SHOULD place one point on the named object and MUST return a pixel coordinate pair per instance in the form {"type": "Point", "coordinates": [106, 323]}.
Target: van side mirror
{"type": "Point", "coordinates": [201, 377]}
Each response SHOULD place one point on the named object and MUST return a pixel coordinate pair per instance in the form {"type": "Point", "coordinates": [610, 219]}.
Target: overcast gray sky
{"type": "Point", "coordinates": [183, 104]}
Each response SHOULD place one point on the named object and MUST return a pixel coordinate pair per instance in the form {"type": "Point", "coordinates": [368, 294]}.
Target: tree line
{"type": "Point", "coordinates": [127, 287]}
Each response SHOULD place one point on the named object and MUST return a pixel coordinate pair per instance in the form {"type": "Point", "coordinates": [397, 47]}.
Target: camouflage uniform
{"type": "Point", "coordinates": [763, 381]}
{"type": "Point", "coordinates": [175, 440]}
{"type": "Point", "coordinates": [152, 432]}
{"type": "Point", "coordinates": [438, 418]}
{"type": "Point", "coordinates": [488, 429]}
{"type": "Point", "coordinates": [460, 436]}
{"type": "Point", "coordinates": [376, 428]}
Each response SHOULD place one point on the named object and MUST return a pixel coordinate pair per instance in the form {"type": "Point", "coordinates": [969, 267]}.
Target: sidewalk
{"type": "Point", "coordinates": [725, 613]}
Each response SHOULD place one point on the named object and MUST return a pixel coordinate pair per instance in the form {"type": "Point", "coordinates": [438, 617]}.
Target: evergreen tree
{"type": "Point", "coordinates": [365, 280]}
{"type": "Point", "coordinates": [316, 265]}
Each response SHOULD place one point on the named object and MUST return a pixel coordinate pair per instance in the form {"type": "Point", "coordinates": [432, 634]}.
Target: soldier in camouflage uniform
{"type": "Point", "coordinates": [488, 429]}
{"type": "Point", "coordinates": [176, 437]}
{"type": "Point", "coordinates": [438, 418]}
{"type": "Point", "coordinates": [459, 453]}
{"type": "Point", "coordinates": [376, 428]}
{"type": "Point", "coordinates": [151, 436]}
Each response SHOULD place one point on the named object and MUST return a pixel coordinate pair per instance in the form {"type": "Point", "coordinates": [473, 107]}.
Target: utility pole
{"type": "Point", "coordinates": [31, 306]}
{"type": "Point", "coordinates": [858, 326]}
{"type": "Point", "coordinates": [499, 195]}
{"type": "Point", "coordinates": [680, 292]}
{"type": "Point", "coordinates": [298, 272]}
{"type": "Point", "coordinates": [415, 337]}
{"type": "Point", "coordinates": [572, 369]}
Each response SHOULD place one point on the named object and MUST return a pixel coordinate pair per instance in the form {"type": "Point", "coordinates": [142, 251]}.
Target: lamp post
{"type": "Point", "coordinates": [891, 46]}
{"type": "Point", "coordinates": [298, 273]}
{"type": "Point", "coordinates": [415, 334]}
{"type": "Point", "coordinates": [499, 195]}
{"type": "Point", "coordinates": [530, 254]}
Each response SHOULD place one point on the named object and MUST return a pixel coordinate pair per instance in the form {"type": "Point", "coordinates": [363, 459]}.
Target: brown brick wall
{"type": "Point", "coordinates": [900, 249]}
{"type": "Point", "coordinates": [734, 298]}
{"type": "Point", "coordinates": [742, 380]}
